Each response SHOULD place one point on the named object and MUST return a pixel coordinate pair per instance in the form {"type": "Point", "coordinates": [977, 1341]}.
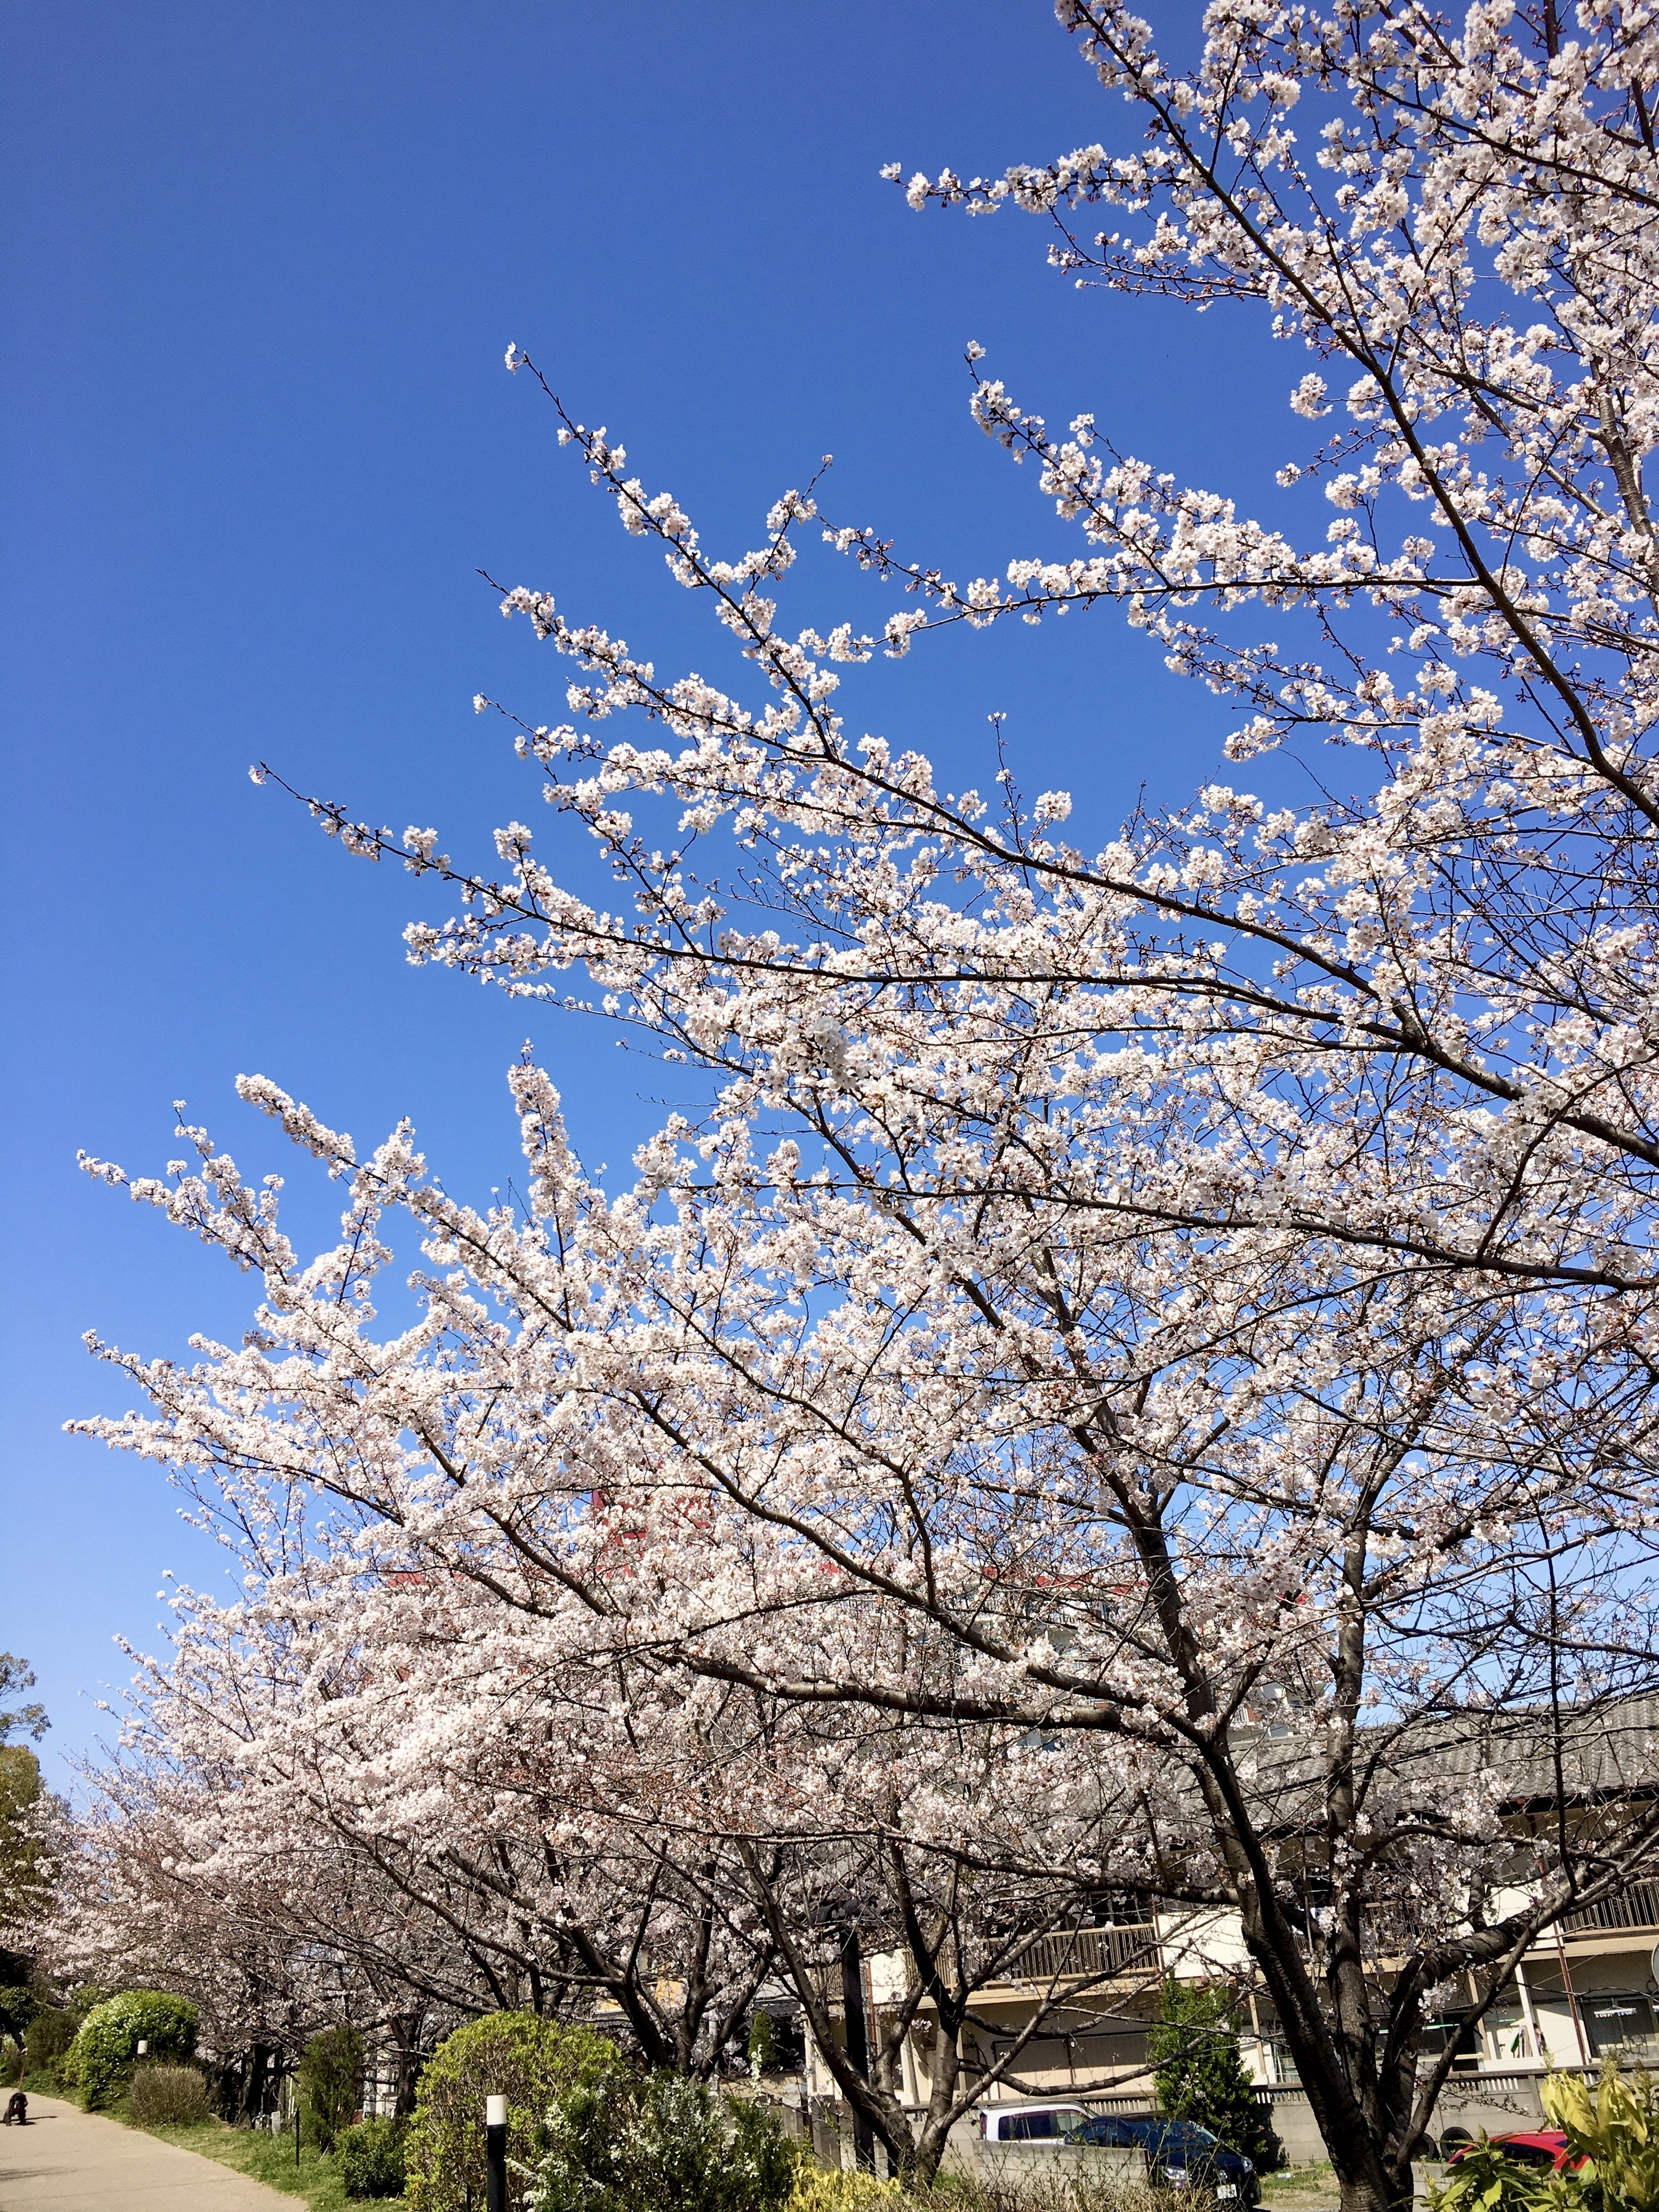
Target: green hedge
{"type": "Point", "coordinates": [106, 2042]}
{"type": "Point", "coordinates": [663, 2144]}
{"type": "Point", "coordinates": [516, 2055]}
{"type": "Point", "coordinates": [369, 2158]}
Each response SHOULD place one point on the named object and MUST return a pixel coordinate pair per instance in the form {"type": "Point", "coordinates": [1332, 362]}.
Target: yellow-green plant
{"type": "Point", "coordinates": [1484, 2180]}
{"type": "Point", "coordinates": [823, 2189]}
{"type": "Point", "coordinates": [1615, 2127]}
{"type": "Point", "coordinates": [519, 2055]}
{"type": "Point", "coordinates": [1613, 2148]}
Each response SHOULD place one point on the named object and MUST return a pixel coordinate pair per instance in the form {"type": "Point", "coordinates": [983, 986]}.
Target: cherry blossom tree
{"type": "Point", "coordinates": [270, 1950]}
{"type": "Point", "coordinates": [1179, 1304]}
{"type": "Point", "coordinates": [385, 1764]}
{"type": "Point", "coordinates": [316, 1821]}
{"type": "Point", "coordinates": [1223, 1484]}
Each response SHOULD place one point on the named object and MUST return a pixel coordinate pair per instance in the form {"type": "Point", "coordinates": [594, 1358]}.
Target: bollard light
{"type": "Point", "coordinates": [496, 2153]}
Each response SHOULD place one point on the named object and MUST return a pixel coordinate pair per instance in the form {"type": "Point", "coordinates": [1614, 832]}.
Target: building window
{"type": "Point", "coordinates": [1618, 2022]}
{"type": "Point", "coordinates": [1506, 2029]}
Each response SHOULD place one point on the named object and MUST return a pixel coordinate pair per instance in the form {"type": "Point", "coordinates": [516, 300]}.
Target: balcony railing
{"type": "Point", "coordinates": [1636, 1906]}
{"type": "Point", "coordinates": [1085, 1951]}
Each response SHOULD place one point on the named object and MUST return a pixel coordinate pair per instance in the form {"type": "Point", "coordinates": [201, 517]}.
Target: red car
{"type": "Point", "coordinates": [1538, 2147]}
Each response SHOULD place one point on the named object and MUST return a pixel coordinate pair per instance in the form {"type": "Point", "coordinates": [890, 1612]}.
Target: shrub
{"type": "Point", "coordinates": [1200, 2071]}
{"type": "Point", "coordinates": [516, 2055]}
{"type": "Point", "coordinates": [167, 2096]}
{"type": "Point", "coordinates": [1616, 2127]}
{"type": "Point", "coordinates": [51, 2033]}
{"type": "Point", "coordinates": [18, 2006]}
{"type": "Point", "coordinates": [662, 2144]}
{"type": "Point", "coordinates": [833, 2189]}
{"type": "Point", "coordinates": [369, 2158]}
{"type": "Point", "coordinates": [330, 2077]}
{"type": "Point", "coordinates": [107, 2039]}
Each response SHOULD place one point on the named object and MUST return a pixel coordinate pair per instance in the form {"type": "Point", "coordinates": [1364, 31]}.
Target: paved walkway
{"type": "Point", "coordinates": [67, 2161]}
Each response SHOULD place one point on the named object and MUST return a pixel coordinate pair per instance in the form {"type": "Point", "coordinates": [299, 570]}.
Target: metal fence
{"type": "Point", "coordinates": [1634, 1906]}
{"type": "Point", "coordinates": [1085, 1951]}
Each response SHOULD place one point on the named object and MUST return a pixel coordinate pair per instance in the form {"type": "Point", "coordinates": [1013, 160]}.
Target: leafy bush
{"type": "Point", "coordinates": [1616, 2127]}
{"type": "Point", "coordinates": [106, 2042]}
{"type": "Point", "coordinates": [167, 2096]}
{"type": "Point", "coordinates": [662, 2144]}
{"type": "Point", "coordinates": [516, 2055]}
{"type": "Point", "coordinates": [369, 2158]}
{"type": "Point", "coordinates": [1200, 2071]}
{"type": "Point", "coordinates": [51, 2033]}
{"type": "Point", "coordinates": [329, 2078]}
{"type": "Point", "coordinates": [833, 2189]}
{"type": "Point", "coordinates": [18, 2006]}
{"type": "Point", "coordinates": [1484, 2178]}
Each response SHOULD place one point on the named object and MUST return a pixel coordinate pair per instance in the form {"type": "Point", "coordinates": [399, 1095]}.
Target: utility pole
{"type": "Point", "coordinates": [858, 2038]}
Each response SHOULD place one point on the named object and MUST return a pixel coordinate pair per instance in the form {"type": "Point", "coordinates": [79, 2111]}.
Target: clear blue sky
{"type": "Point", "coordinates": [259, 268]}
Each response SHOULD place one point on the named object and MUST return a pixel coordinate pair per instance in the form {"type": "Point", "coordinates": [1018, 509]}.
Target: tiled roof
{"type": "Point", "coordinates": [1538, 1753]}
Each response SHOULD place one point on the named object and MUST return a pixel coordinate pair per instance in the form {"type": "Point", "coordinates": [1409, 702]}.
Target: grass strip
{"type": "Point", "coordinates": [1299, 2188]}
{"type": "Point", "coordinates": [268, 2158]}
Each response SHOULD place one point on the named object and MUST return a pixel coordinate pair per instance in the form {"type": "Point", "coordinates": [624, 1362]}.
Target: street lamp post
{"type": "Point", "coordinates": [496, 2153]}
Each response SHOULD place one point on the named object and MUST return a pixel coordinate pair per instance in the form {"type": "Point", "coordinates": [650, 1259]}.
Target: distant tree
{"type": "Point", "coordinates": [25, 1863]}
{"type": "Point", "coordinates": [1199, 2069]}
{"type": "Point", "coordinates": [50, 2035]}
{"type": "Point", "coordinates": [18, 2006]}
{"type": "Point", "coordinates": [31, 1719]}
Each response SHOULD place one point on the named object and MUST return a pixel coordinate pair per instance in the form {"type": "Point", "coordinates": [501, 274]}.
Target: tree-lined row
{"type": "Point", "coordinates": [403, 1804]}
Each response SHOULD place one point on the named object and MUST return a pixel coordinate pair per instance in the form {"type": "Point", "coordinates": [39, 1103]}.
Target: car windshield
{"type": "Point", "coordinates": [1528, 2154]}
{"type": "Point", "coordinates": [1100, 2128]}
{"type": "Point", "coordinates": [1180, 2135]}
{"type": "Point", "coordinates": [1068, 2123]}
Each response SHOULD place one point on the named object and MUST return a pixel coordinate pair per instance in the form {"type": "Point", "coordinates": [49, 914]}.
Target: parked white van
{"type": "Point", "coordinates": [1030, 2123]}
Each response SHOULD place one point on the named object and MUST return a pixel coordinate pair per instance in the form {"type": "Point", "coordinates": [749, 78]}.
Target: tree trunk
{"type": "Point", "coordinates": [1365, 2183]}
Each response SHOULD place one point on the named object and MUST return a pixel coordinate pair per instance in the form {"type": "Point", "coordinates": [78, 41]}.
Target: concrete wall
{"type": "Point", "coordinates": [1008, 2161]}
{"type": "Point", "coordinates": [1501, 2104]}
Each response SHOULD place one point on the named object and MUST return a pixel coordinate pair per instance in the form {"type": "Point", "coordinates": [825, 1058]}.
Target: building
{"type": "Point", "coordinates": [1586, 1991]}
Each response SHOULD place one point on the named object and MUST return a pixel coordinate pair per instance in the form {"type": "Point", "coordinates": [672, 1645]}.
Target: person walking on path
{"type": "Point", "coordinates": [64, 2160]}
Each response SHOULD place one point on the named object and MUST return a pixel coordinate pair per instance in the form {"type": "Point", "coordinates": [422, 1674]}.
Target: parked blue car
{"type": "Point", "coordinates": [1180, 2153]}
